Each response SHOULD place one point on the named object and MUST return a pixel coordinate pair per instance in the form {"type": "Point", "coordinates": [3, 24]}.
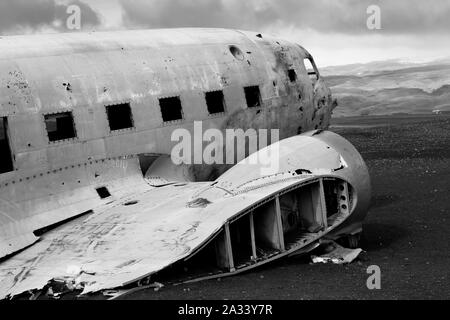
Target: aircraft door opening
{"type": "Point", "coordinates": [6, 162]}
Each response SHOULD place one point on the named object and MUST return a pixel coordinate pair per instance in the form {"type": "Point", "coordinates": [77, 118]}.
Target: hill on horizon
{"type": "Point", "coordinates": [383, 88]}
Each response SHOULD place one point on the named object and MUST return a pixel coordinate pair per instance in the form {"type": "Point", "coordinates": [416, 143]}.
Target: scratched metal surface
{"type": "Point", "coordinates": [123, 243]}
{"type": "Point", "coordinates": [61, 194]}
{"type": "Point", "coordinates": [82, 73]}
{"type": "Point", "coordinates": [120, 243]}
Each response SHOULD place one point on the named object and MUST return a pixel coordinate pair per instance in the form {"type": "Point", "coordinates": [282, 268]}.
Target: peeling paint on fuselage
{"type": "Point", "coordinates": [81, 73]}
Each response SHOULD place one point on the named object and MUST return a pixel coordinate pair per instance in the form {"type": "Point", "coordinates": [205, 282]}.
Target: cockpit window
{"type": "Point", "coordinates": [311, 69]}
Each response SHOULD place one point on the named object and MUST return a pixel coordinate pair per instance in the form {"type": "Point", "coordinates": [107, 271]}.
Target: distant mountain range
{"type": "Point", "coordinates": [389, 87]}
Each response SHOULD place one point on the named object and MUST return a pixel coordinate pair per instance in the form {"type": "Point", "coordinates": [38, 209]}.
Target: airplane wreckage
{"type": "Point", "coordinates": [89, 194]}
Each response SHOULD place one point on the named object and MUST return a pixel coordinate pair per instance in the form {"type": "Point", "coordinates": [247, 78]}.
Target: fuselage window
{"type": "Point", "coordinates": [6, 162]}
{"type": "Point", "coordinates": [253, 96]}
{"type": "Point", "coordinates": [311, 69]}
{"type": "Point", "coordinates": [237, 53]}
{"type": "Point", "coordinates": [215, 102]}
{"type": "Point", "coordinates": [171, 109]}
{"type": "Point", "coordinates": [120, 116]}
{"type": "Point", "coordinates": [60, 126]}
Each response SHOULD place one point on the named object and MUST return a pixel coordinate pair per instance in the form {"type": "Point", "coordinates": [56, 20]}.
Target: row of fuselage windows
{"type": "Point", "coordinates": [61, 126]}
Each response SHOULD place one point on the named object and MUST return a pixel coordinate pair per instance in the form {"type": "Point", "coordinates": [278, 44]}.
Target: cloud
{"type": "Point", "coordinates": [335, 32]}
{"type": "Point", "coordinates": [19, 16]}
{"type": "Point", "coordinates": [175, 13]}
{"type": "Point", "coordinates": [409, 17]}
{"type": "Point", "coordinates": [344, 16]}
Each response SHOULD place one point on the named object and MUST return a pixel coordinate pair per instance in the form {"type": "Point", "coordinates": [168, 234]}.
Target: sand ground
{"type": "Point", "coordinates": [407, 232]}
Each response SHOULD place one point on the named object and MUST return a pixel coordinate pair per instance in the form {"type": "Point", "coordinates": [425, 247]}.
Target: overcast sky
{"type": "Point", "coordinates": [334, 31]}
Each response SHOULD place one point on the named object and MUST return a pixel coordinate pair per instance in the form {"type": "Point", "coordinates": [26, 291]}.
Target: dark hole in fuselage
{"type": "Point", "coordinates": [292, 75]}
{"type": "Point", "coordinates": [215, 102]}
{"type": "Point", "coordinates": [103, 192]}
{"type": "Point", "coordinates": [119, 116]}
{"type": "Point", "coordinates": [237, 53]}
{"type": "Point", "coordinates": [6, 163]}
{"type": "Point", "coordinates": [60, 126]}
{"type": "Point", "coordinates": [253, 96]}
{"type": "Point", "coordinates": [171, 109]}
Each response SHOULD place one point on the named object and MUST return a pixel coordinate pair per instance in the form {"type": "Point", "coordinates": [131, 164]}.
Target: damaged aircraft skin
{"type": "Point", "coordinates": [89, 194]}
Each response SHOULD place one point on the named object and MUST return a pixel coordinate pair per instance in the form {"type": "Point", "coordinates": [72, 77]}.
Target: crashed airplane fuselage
{"type": "Point", "coordinates": [86, 130]}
